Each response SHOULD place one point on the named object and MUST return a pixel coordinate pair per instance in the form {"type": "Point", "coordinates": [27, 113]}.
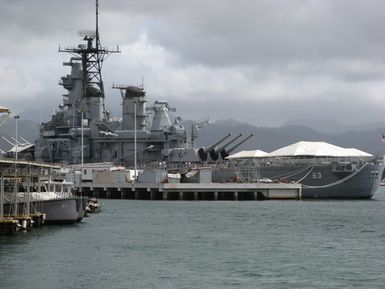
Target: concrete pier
{"type": "Point", "coordinates": [197, 191]}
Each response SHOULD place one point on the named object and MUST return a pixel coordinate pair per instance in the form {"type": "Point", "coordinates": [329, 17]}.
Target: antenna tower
{"type": "Point", "coordinates": [92, 56]}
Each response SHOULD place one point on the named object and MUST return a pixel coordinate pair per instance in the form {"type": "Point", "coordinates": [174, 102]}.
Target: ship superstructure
{"type": "Point", "coordinates": [83, 131]}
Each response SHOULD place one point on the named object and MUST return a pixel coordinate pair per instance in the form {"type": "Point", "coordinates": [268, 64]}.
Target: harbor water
{"type": "Point", "coordinates": [205, 244]}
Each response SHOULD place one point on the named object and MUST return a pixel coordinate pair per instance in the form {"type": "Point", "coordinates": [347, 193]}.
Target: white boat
{"type": "Point", "coordinates": [54, 199]}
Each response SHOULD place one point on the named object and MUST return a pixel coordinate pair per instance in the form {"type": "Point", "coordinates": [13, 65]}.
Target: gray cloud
{"type": "Point", "coordinates": [258, 61]}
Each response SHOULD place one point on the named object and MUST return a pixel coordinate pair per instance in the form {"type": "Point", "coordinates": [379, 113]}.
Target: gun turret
{"type": "Point", "coordinates": [203, 153]}
{"type": "Point", "coordinates": [214, 153]}
{"type": "Point", "coordinates": [225, 153]}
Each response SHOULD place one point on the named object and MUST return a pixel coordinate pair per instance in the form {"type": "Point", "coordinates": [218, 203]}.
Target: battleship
{"type": "Point", "coordinates": [83, 131]}
{"type": "Point", "coordinates": [323, 170]}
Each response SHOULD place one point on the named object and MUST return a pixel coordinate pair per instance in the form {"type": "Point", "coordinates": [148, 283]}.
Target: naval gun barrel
{"type": "Point", "coordinates": [225, 153]}
{"type": "Point", "coordinates": [214, 153]}
{"type": "Point", "coordinates": [203, 153]}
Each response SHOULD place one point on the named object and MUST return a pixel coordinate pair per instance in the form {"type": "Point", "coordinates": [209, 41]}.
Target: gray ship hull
{"type": "Point", "coordinates": [61, 210]}
{"type": "Point", "coordinates": [57, 211]}
{"type": "Point", "coordinates": [322, 181]}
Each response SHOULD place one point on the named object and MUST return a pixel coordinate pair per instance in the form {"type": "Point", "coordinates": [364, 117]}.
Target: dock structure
{"type": "Point", "coordinates": [159, 184]}
{"type": "Point", "coordinates": [8, 225]}
{"type": "Point", "coordinates": [196, 191]}
{"type": "Point", "coordinates": [14, 173]}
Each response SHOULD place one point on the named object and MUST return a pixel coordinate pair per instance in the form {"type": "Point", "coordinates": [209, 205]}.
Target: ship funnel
{"type": "Point", "coordinates": [203, 152]}
{"type": "Point", "coordinates": [214, 153]}
{"type": "Point", "coordinates": [226, 152]}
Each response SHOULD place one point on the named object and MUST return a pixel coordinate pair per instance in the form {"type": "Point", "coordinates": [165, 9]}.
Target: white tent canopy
{"type": "Point", "coordinates": [4, 114]}
{"type": "Point", "coordinates": [248, 154]}
{"type": "Point", "coordinates": [358, 153]}
{"type": "Point", "coordinates": [317, 149]}
{"type": "Point", "coordinates": [4, 109]}
{"type": "Point", "coordinates": [304, 149]}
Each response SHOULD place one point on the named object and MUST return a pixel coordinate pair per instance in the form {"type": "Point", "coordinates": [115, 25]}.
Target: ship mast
{"type": "Point", "coordinates": [92, 57]}
{"type": "Point", "coordinates": [97, 23]}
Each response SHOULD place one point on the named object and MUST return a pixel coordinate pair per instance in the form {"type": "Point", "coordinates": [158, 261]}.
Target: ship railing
{"type": "Point", "coordinates": [184, 165]}
{"type": "Point", "coordinates": [297, 161]}
{"type": "Point", "coordinates": [248, 174]}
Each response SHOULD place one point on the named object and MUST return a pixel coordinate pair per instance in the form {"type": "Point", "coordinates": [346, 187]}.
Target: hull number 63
{"type": "Point", "coordinates": [317, 175]}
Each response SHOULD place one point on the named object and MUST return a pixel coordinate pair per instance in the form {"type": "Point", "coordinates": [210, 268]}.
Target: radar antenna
{"type": "Point", "coordinates": [196, 126]}
{"type": "Point", "coordinates": [92, 57]}
{"type": "Point", "coordinates": [97, 24]}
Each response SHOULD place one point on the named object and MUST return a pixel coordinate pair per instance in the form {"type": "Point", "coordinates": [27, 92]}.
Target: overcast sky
{"type": "Point", "coordinates": [258, 61]}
